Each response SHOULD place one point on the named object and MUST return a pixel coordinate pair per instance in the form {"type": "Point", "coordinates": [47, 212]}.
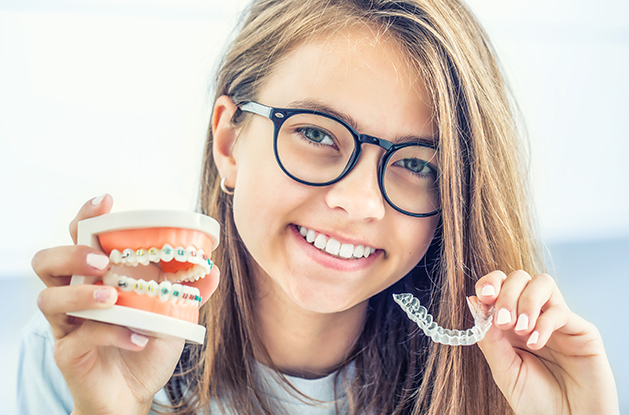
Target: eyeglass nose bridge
{"type": "Point", "coordinates": [369, 139]}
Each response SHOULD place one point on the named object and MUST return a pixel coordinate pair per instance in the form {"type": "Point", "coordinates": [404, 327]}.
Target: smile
{"type": "Point", "coordinates": [334, 247]}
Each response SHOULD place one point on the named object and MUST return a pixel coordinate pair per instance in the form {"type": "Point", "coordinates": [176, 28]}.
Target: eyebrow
{"type": "Point", "coordinates": [314, 105]}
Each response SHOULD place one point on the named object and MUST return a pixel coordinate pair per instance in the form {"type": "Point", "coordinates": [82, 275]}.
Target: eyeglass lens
{"type": "Point", "coordinates": [317, 149]}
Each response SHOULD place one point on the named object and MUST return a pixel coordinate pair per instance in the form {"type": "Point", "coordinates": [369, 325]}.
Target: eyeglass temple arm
{"type": "Point", "coordinates": [256, 108]}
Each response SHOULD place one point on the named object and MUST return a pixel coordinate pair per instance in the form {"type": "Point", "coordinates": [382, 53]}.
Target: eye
{"type": "Point", "coordinates": [416, 166]}
{"type": "Point", "coordinates": [316, 135]}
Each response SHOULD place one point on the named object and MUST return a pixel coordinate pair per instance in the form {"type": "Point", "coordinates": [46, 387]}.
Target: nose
{"type": "Point", "coordinates": [358, 193]}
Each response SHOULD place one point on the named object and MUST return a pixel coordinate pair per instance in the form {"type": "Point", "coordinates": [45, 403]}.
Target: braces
{"type": "Point", "coordinates": [419, 314]}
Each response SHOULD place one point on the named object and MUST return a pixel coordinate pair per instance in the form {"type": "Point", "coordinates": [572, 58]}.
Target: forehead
{"type": "Point", "coordinates": [357, 72]}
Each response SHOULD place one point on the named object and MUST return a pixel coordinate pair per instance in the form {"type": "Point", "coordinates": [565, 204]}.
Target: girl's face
{"type": "Point", "coordinates": [366, 80]}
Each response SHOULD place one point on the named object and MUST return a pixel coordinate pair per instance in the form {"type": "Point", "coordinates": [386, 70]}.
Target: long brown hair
{"type": "Point", "coordinates": [485, 223]}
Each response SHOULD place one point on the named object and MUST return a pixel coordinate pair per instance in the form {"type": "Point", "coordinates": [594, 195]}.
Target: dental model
{"type": "Point", "coordinates": [158, 264]}
{"type": "Point", "coordinates": [418, 313]}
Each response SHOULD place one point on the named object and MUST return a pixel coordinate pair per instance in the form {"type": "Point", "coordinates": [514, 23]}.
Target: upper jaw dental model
{"type": "Point", "coordinates": [158, 264]}
{"type": "Point", "coordinates": [419, 314]}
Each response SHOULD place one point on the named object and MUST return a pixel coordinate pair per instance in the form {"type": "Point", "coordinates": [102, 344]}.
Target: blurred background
{"type": "Point", "coordinates": [114, 96]}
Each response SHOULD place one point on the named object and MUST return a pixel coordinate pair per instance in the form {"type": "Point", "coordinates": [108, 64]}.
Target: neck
{"type": "Point", "coordinates": [305, 343]}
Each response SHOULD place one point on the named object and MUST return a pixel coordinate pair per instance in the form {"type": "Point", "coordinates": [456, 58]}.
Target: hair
{"type": "Point", "coordinates": [485, 221]}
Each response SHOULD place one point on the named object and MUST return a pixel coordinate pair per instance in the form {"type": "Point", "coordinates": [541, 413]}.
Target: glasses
{"type": "Point", "coordinates": [319, 149]}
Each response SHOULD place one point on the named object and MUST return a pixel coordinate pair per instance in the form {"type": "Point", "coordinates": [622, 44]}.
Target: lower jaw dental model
{"type": "Point", "coordinates": [419, 314]}
{"type": "Point", "coordinates": [158, 264]}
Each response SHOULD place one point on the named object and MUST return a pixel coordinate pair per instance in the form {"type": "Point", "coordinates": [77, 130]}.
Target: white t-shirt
{"type": "Point", "coordinates": [42, 389]}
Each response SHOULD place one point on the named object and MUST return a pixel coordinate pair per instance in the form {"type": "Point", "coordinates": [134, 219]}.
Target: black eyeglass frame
{"type": "Point", "coordinates": [279, 115]}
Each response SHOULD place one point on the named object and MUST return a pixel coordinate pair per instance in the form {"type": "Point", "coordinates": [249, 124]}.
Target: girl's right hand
{"type": "Point", "coordinates": [108, 369]}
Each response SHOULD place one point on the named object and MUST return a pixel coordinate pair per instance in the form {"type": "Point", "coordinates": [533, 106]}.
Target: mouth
{"type": "Point", "coordinates": [160, 270]}
{"type": "Point", "coordinates": [333, 247]}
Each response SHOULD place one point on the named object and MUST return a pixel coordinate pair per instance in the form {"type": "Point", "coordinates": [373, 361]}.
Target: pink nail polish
{"type": "Point", "coordinates": [139, 340]}
{"type": "Point", "coordinates": [523, 323]}
{"type": "Point", "coordinates": [97, 261]}
{"type": "Point", "coordinates": [98, 200]}
{"type": "Point", "coordinates": [488, 290]}
{"type": "Point", "coordinates": [533, 339]}
{"type": "Point", "coordinates": [102, 295]}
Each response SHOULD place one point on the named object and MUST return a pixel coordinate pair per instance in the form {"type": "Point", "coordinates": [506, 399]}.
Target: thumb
{"type": "Point", "coordinates": [502, 357]}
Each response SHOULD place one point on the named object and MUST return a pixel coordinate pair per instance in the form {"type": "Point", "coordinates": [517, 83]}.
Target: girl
{"type": "Point", "coordinates": [357, 149]}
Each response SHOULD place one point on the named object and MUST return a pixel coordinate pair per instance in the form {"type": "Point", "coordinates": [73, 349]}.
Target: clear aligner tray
{"type": "Point", "coordinates": [419, 314]}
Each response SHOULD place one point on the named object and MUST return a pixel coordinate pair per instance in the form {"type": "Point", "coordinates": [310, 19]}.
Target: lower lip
{"type": "Point", "coordinates": [324, 259]}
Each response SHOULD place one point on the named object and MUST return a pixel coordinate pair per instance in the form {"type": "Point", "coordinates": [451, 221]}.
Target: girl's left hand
{"type": "Point", "coordinates": [544, 358]}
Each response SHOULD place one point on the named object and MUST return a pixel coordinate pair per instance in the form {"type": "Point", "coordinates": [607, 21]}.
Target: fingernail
{"type": "Point", "coordinates": [97, 200]}
{"type": "Point", "coordinates": [533, 339]}
{"type": "Point", "coordinates": [488, 290]}
{"type": "Point", "coordinates": [97, 261]}
{"type": "Point", "coordinates": [139, 340]}
{"type": "Point", "coordinates": [504, 316]}
{"type": "Point", "coordinates": [523, 323]}
{"type": "Point", "coordinates": [102, 295]}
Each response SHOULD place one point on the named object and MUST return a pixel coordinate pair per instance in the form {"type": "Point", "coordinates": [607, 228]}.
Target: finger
{"type": "Point", "coordinates": [77, 352]}
{"type": "Point", "coordinates": [488, 287]}
{"type": "Point", "coordinates": [55, 302]}
{"type": "Point", "coordinates": [548, 322]}
{"type": "Point", "coordinates": [55, 266]}
{"type": "Point", "coordinates": [93, 207]}
{"type": "Point", "coordinates": [534, 298]}
{"type": "Point", "coordinates": [507, 301]}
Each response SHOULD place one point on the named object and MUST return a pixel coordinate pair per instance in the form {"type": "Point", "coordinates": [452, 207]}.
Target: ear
{"type": "Point", "coordinates": [224, 136]}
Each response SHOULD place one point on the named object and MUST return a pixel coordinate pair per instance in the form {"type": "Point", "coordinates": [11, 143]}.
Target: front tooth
{"type": "Point", "coordinates": [310, 236]}
{"type": "Point", "coordinates": [129, 257]}
{"type": "Point", "coordinates": [320, 241]}
{"type": "Point", "coordinates": [167, 253]}
{"type": "Point", "coordinates": [140, 286]}
{"type": "Point", "coordinates": [187, 294]}
{"type": "Point", "coordinates": [115, 257]}
{"type": "Point", "coordinates": [164, 289]}
{"type": "Point", "coordinates": [303, 231]}
{"type": "Point", "coordinates": [180, 254]}
{"type": "Point", "coordinates": [154, 255]}
{"type": "Point", "coordinates": [347, 250]}
{"type": "Point", "coordinates": [359, 251]}
{"type": "Point", "coordinates": [111, 279]}
{"type": "Point", "coordinates": [125, 283]}
{"type": "Point", "coordinates": [142, 256]}
{"type": "Point", "coordinates": [192, 255]}
{"type": "Point", "coordinates": [152, 288]}
{"type": "Point", "coordinates": [176, 293]}
{"type": "Point", "coordinates": [332, 247]}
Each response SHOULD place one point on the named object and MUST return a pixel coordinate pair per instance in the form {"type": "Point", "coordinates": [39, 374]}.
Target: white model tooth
{"type": "Point", "coordinates": [171, 277]}
{"type": "Point", "coordinates": [320, 241]}
{"type": "Point", "coordinates": [310, 236]}
{"type": "Point", "coordinates": [180, 254]}
{"type": "Point", "coordinates": [195, 294]}
{"type": "Point", "coordinates": [152, 288]}
{"type": "Point", "coordinates": [189, 296]}
{"type": "Point", "coordinates": [129, 257]}
{"type": "Point", "coordinates": [167, 253]}
{"type": "Point", "coordinates": [193, 256]}
{"type": "Point", "coordinates": [303, 231]}
{"type": "Point", "coordinates": [140, 286]}
{"type": "Point", "coordinates": [346, 251]}
{"type": "Point", "coordinates": [111, 279]}
{"type": "Point", "coordinates": [142, 255]}
{"type": "Point", "coordinates": [164, 289]}
{"type": "Point", "coordinates": [125, 283]}
{"type": "Point", "coordinates": [176, 293]}
{"type": "Point", "coordinates": [115, 257]}
{"type": "Point", "coordinates": [333, 246]}
{"type": "Point", "coordinates": [359, 251]}
{"type": "Point", "coordinates": [154, 255]}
